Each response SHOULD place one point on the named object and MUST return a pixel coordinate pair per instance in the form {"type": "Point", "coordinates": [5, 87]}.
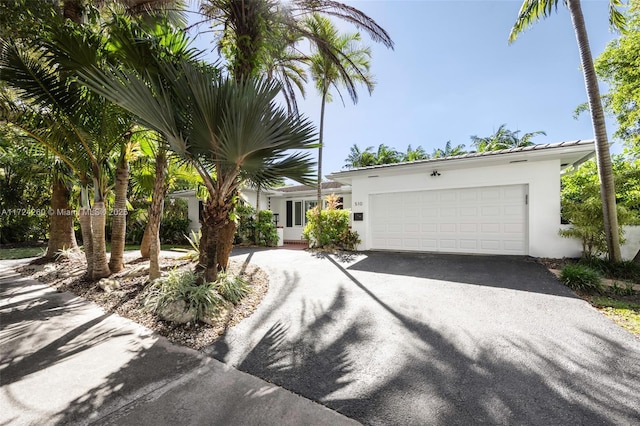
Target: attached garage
{"type": "Point", "coordinates": [501, 202]}
{"type": "Point", "coordinates": [491, 220]}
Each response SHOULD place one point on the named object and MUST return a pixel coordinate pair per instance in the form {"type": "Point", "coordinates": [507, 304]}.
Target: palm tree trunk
{"type": "Point", "coordinates": [320, 142]}
{"type": "Point", "coordinates": [98, 219]}
{"type": "Point", "coordinates": [145, 244]}
{"type": "Point", "coordinates": [61, 233]}
{"type": "Point", "coordinates": [119, 218]}
{"type": "Point", "coordinates": [225, 246]}
{"type": "Point", "coordinates": [215, 217]}
{"type": "Point", "coordinates": [152, 231]}
{"type": "Point", "coordinates": [87, 239]}
{"type": "Point", "coordinates": [603, 156]}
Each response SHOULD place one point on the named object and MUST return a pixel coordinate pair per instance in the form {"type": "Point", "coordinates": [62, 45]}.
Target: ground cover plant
{"type": "Point", "coordinates": [613, 288]}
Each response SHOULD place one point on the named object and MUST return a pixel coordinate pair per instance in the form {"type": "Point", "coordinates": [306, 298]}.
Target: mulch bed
{"type": "Point", "coordinates": [68, 275]}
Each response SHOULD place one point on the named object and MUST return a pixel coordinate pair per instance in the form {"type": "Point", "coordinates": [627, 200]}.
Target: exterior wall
{"type": "Point", "coordinates": [194, 212]}
{"type": "Point", "coordinates": [542, 178]}
{"type": "Point", "coordinates": [278, 205]}
{"type": "Point", "coordinates": [573, 248]}
{"type": "Point", "coordinates": [250, 196]}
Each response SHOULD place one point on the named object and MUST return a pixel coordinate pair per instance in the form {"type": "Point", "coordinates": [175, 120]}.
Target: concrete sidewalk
{"type": "Point", "coordinates": [64, 361]}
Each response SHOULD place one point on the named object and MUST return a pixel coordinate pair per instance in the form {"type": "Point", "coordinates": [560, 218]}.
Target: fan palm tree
{"type": "Point", "coordinates": [352, 69]}
{"type": "Point", "coordinates": [530, 12]}
{"type": "Point", "coordinates": [226, 129]}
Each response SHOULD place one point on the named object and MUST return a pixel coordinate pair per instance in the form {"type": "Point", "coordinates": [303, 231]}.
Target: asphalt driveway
{"type": "Point", "coordinates": [401, 339]}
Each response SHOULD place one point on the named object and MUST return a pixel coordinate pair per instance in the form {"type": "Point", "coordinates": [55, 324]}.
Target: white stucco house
{"type": "Point", "coordinates": [500, 202]}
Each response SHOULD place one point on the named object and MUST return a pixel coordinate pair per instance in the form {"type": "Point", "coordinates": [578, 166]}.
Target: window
{"type": "Point", "coordinates": [298, 213]}
{"type": "Point", "coordinates": [289, 214]}
{"type": "Point", "coordinates": [308, 205]}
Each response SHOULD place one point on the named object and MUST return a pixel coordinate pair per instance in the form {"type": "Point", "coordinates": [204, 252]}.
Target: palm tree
{"type": "Point", "coordinates": [358, 158]}
{"type": "Point", "coordinates": [387, 155]}
{"type": "Point", "coordinates": [503, 138]}
{"type": "Point", "coordinates": [21, 120]}
{"type": "Point", "coordinates": [448, 151]}
{"type": "Point", "coordinates": [249, 28]}
{"type": "Point", "coordinates": [415, 154]}
{"type": "Point", "coordinates": [83, 127]}
{"type": "Point", "coordinates": [530, 12]}
{"type": "Point", "coordinates": [226, 129]}
{"type": "Point", "coordinates": [353, 68]}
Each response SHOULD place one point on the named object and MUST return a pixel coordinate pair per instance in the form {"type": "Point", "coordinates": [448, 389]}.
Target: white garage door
{"type": "Point", "coordinates": [490, 220]}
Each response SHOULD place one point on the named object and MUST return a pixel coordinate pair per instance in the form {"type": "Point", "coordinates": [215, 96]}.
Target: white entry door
{"type": "Point", "coordinates": [489, 220]}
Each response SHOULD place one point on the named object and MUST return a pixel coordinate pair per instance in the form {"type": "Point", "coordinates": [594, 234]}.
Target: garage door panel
{"type": "Point", "coordinates": [515, 245]}
{"type": "Point", "coordinates": [412, 227]}
{"type": "Point", "coordinates": [490, 228]}
{"type": "Point", "coordinates": [469, 228]}
{"type": "Point", "coordinates": [468, 211]}
{"type": "Point", "coordinates": [490, 245]}
{"type": "Point", "coordinates": [448, 196]}
{"type": "Point", "coordinates": [468, 220]}
{"type": "Point", "coordinates": [469, 244]}
{"type": "Point", "coordinates": [513, 228]}
{"type": "Point", "coordinates": [492, 211]}
{"type": "Point", "coordinates": [448, 227]}
{"type": "Point", "coordinates": [446, 244]}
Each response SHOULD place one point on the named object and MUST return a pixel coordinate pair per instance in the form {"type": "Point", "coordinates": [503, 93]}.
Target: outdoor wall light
{"type": "Point", "coordinates": [435, 173]}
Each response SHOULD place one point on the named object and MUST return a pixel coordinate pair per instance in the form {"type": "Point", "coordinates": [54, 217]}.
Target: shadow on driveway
{"type": "Point", "coordinates": [512, 272]}
{"type": "Point", "coordinates": [386, 350]}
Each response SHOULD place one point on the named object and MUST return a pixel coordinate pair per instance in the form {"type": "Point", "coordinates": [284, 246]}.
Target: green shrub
{"type": "Point", "coordinates": [232, 288]}
{"type": "Point", "coordinates": [581, 278]}
{"type": "Point", "coordinates": [582, 204]}
{"type": "Point", "coordinates": [260, 231]}
{"type": "Point", "coordinates": [182, 285]}
{"type": "Point", "coordinates": [625, 270]}
{"type": "Point", "coordinates": [175, 221]}
{"type": "Point", "coordinates": [330, 229]}
{"type": "Point", "coordinates": [245, 233]}
{"type": "Point", "coordinates": [266, 231]}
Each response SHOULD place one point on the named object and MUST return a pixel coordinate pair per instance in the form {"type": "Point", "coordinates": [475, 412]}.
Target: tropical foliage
{"type": "Point", "coordinates": [530, 12]}
{"type": "Point", "coordinates": [582, 205]}
{"type": "Point", "coordinates": [503, 138]}
{"type": "Point", "coordinates": [329, 228]}
{"type": "Point", "coordinates": [619, 67]}
{"type": "Point", "coordinates": [352, 68]}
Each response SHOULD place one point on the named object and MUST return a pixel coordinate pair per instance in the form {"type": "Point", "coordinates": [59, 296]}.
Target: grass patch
{"type": "Point", "coordinates": [21, 252]}
{"type": "Point", "coordinates": [624, 312]}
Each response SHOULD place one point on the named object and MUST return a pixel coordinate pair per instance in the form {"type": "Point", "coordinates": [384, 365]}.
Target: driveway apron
{"type": "Point", "coordinates": [414, 339]}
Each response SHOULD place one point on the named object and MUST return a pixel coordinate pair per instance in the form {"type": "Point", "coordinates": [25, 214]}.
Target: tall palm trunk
{"type": "Point", "coordinates": [320, 143]}
{"type": "Point", "coordinates": [119, 216]}
{"type": "Point", "coordinates": [157, 203]}
{"type": "Point", "coordinates": [87, 232]}
{"type": "Point", "coordinates": [98, 219]}
{"type": "Point", "coordinates": [61, 233]}
{"type": "Point", "coordinates": [603, 156]}
{"type": "Point", "coordinates": [152, 231]}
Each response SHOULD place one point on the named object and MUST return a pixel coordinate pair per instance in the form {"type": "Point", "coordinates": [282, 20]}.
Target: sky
{"type": "Point", "coordinates": [453, 74]}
